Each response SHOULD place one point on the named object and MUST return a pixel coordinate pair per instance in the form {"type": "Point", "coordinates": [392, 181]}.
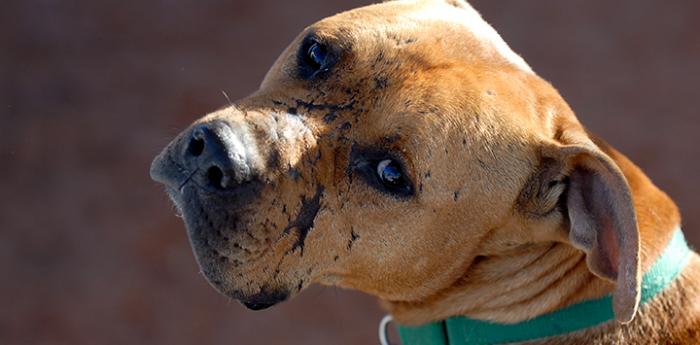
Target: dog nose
{"type": "Point", "coordinates": [218, 156]}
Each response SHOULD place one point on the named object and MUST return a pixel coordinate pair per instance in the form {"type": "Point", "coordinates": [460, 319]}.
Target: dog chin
{"type": "Point", "coordinates": [257, 306]}
{"type": "Point", "coordinates": [264, 299]}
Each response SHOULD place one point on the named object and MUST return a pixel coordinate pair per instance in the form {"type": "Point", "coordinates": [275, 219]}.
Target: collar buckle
{"type": "Point", "coordinates": [384, 330]}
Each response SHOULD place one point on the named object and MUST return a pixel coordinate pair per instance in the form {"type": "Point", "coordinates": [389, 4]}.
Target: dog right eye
{"type": "Point", "coordinates": [314, 57]}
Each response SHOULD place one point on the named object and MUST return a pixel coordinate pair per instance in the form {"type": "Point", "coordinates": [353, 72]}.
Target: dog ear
{"type": "Point", "coordinates": [603, 222]}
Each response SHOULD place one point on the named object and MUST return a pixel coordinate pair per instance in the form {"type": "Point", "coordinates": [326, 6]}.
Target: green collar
{"type": "Point", "coordinates": [465, 331]}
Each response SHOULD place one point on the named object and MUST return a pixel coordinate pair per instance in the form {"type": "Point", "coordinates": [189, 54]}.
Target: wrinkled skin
{"type": "Point", "coordinates": [431, 86]}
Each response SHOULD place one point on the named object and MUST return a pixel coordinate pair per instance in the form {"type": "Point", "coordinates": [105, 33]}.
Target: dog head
{"type": "Point", "coordinates": [389, 149]}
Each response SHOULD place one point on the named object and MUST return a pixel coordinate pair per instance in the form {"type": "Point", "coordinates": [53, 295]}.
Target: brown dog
{"type": "Point", "coordinates": [404, 150]}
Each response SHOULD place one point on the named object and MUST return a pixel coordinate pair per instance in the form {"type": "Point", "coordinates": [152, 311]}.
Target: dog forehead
{"type": "Point", "coordinates": [455, 22]}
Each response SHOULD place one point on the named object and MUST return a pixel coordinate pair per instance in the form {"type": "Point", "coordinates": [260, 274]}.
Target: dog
{"type": "Point", "coordinates": [404, 150]}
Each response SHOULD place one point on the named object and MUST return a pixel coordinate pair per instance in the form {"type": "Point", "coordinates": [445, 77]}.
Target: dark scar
{"type": "Point", "coordinates": [273, 160]}
{"type": "Point", "coordinates": [294, 173]}
{"type": "Point", "coordinates": [304, 221]}
{"type": "Point", "coordinates": [380, 82]}
{"type": "Point", "coordinates": [353, 237]}
{"type": "Point", "coordinates": [391, 139]}
{"type": "Point", "coordinates": [330, 117]}
{"type": "Point", "coordinates": [311, 106]}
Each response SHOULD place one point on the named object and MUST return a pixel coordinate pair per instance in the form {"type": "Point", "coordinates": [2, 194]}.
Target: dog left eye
{"type": "Point", "coordinates": [382, 171]}
{"type": "Point", "coordinates": [392, 177]}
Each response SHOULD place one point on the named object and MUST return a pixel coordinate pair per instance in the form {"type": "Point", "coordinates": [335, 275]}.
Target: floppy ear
{"type": "Point", "coordinates": [603, 223]}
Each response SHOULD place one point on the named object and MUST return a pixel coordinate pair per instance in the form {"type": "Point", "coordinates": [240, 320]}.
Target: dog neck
{"type": "Point", "coordinates": [537, 279]}
{"type": "Point", "coordinates": [577, 317]}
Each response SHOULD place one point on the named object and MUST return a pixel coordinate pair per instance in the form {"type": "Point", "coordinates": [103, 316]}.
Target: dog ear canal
{"type": "Point", "coordinates": [603, 223]}
{"type": "Point", "coordinates": [544, 191]}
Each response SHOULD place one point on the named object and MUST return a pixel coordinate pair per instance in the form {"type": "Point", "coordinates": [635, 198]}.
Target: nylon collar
{"type": "Point", "coordinates": [465, 331]}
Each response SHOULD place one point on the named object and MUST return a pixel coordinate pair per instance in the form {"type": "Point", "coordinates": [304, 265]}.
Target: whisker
{"type": "Point", "coordinates": [227, 98]}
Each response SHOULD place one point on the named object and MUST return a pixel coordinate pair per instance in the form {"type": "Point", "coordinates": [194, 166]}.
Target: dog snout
{"type": "Point", "coordinates": [217, 155]}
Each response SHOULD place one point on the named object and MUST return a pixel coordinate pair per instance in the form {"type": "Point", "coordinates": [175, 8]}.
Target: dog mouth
{"type": "Point", "coordinates": [209, 248]}
{"type": "Point", "coordinates": [210, 245]}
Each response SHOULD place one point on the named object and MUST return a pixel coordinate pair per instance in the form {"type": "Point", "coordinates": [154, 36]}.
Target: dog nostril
{"type": "Point", "coordinates": [196, 146]}
{"type": "Point", "coordinates": [217, 153]}
{"type": "Point", "coordinates": [216, 177]}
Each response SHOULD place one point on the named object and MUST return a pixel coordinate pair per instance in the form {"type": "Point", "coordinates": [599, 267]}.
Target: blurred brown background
{"type": "Point", "coordinates": [90, 250]}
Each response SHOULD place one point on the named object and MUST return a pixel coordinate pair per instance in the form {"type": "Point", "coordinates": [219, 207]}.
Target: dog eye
{"type": "Point", "coordinates": [382, 171]}
{"type": "Point", "coordinates": [392, 177]}
{"type": "Point", "coordinates": [316, 56]}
